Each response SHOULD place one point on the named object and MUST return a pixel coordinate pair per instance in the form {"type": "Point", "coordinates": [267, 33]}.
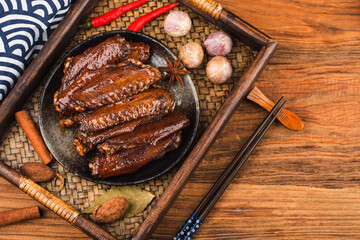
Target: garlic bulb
{"type": "Point", "coordinates": [218, 44]}
{"type": "Point", "coordinates": [219, 69]}
{"type": "Point", "coordinates": [177, 24]}
{"type": "Point", "coordinates": [191, 54]}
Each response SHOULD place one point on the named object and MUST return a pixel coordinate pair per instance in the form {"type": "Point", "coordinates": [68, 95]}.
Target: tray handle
{"type": "Point", "coordinates": [229, 22]}
{"type": "Point", "coordinates": [209, 7]}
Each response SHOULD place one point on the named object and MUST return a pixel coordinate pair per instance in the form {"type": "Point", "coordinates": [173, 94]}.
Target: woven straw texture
{"type": "Point", "coordinates": [15, 148]}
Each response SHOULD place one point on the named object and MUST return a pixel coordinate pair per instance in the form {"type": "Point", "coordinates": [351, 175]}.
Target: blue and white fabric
{"type": "Point", "coordinates": [25, 25]}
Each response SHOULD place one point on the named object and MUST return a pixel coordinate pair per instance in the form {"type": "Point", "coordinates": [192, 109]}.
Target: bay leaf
{"type": "Point", "coordinates": [139, 199]}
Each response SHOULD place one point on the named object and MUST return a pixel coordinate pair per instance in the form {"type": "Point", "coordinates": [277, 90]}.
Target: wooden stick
{"type": "Point", "coordinates": [52, 202]}
{"type": "Point", "coordinates": [18, 215]}
{"type": "Point", "coordinates": [41, 64]}
{"type": "Point", "coordinates": [32, 132]}
{"type": "Point", "coordinates": [287, 118]}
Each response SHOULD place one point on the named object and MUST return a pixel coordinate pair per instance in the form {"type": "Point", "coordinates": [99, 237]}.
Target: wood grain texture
{"type": "Point", "coordinates": [296, 185]}
{"type": "Point", "coordinates": [249, 211]}
{"type": "Point", "coordinates": [52, 202]}
{"type": "Point", "coordinates": [205, 142]}
{"type": "Point", "coordinates": [49, 226]}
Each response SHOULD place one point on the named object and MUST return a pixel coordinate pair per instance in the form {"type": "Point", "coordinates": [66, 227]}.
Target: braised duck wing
{"type": "Point", "coordinates": [115, 85]}
{"type": "Point", "coordinates": [85, 143]}
{"type": "Point", "coordinates": [147, 134]}
{"type": "Point", "coordinates": [110, 51]}
{"type": "Point", "coordinates": [119, 109]}
{"type": "Point", "coordinates": [129, 161]}
{"type": "Point", "coordinates": [97, 88]}
{"type": "Point", "coordinates": [149, 102]}
{"type": "Point", "coordinates": [63, 100]}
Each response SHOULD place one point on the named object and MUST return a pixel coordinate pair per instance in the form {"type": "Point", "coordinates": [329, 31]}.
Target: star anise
{"type": "Point", "coordinates": [174, 71]}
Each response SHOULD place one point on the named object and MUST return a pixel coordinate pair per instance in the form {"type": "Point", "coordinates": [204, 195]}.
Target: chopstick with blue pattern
{"type": "Point", "coordinates": [197, 217]}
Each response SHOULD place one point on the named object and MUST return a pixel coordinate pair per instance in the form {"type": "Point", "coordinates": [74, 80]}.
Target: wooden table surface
{"type": "Point", "coordinates": [296, 185]}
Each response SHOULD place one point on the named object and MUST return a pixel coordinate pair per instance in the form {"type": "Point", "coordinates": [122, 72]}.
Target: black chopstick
{"type": "Point", "coordinates": [203, 209]}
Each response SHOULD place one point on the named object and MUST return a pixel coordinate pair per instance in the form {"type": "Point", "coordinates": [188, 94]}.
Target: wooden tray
{"type": "Point", "coordinates": [217, 102]}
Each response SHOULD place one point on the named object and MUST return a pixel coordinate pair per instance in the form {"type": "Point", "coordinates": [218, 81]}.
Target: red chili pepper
{"type": "Point", "coordinates": [112, 15]}
{"type": "Point", "coordinates": [141, 21]}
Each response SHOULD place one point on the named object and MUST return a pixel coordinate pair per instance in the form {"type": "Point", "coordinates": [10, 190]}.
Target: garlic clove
{"type": "Point", "coordinates": [219, 70]}
{"type": "Point", "coordinates": [218, 44]}
{"type": "Point", "coordinates": [177, 24]}
{"type": "Point", "coordinates": [191, 54]}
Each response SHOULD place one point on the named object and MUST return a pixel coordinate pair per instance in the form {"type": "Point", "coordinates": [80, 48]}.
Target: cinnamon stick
{"type": "Point", "coordinates": [17, 215]}
{"type": "Point", "coordinates": [32, 132]}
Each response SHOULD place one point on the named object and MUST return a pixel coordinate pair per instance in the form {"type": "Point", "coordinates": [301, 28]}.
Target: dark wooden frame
{"type": "Point", "coordinates": [208, 9]}
{"type": "Point", "coordinates": [258, 41]}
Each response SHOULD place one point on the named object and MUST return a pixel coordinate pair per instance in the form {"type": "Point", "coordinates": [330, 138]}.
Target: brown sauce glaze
{"type": "Point", "coordinates": [96, 88]}
{"type": "Point", "coordinates": [129, 161]}
{"type": "Point", "coordinates": [139, 51]}
{"type": "Point", "coordinates": [149, 102]}
{"type": "Point", "coordinates": [147, 134]}
{"type": "Point", "coordinates": [85, 143]}
{"type": "Point", "coordinates": [69, 120]}
{"type": "Point", "coordinates": [115, 85]}
{"type": "Point", "coordinates": [63, 100]}
{"type": "Point", "coordinates": [111, 51]}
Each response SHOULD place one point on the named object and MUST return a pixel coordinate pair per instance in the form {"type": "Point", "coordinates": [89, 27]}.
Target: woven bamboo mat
{"type": "Point", "coordinates": [15, 148]}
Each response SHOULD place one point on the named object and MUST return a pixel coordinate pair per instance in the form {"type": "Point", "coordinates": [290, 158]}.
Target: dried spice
{"type": "Point", "coordinates": [138, 199]}
{"type": "Point", "coordinates": [174, 71]}
{"type": "Point", "coordinates": [113, 14]}
{"type": "Point", "coordinates": [112, 210]}
{"type": "Point", "coordinates": [141, 21]}
{"type": "Point", "coordinates": [39, 172]}
{"type": "Point", "coordinates": [18, 215]}
{"type": "Point", "coordinates": [32, 132]}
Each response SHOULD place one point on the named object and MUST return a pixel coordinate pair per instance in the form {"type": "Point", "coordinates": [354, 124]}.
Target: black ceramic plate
{"type": "Point", "coordinates": [59, 140]}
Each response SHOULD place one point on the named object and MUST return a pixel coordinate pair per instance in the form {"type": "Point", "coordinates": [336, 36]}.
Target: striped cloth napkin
{"type": "Point", "coordinates": [25, 25]}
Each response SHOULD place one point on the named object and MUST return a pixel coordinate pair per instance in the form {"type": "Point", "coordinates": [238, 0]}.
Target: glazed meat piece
{"type": "Point", "coordinates": [63, 100]}
{"type": "Point", "coordinates": [129, 161]}
{"type": "Point", "coordinates": [115, 85]}
{"type": "Point", "coordinates": [73, 119]}
{"type": "Point", "coordinates": [147, 134]}
{"type": "Point", "coordinates": [139, 51]}
{"type": "Point", "coordinates": [85, 143]}
{"type": "Point", "coordinates": [149, 102]}
{"type": "Point", "coordinates": [111, 51]}
{"type": "Point", "coordinates": [96, 88]}
{"type": "Point", "coordinates": [75, 66]}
